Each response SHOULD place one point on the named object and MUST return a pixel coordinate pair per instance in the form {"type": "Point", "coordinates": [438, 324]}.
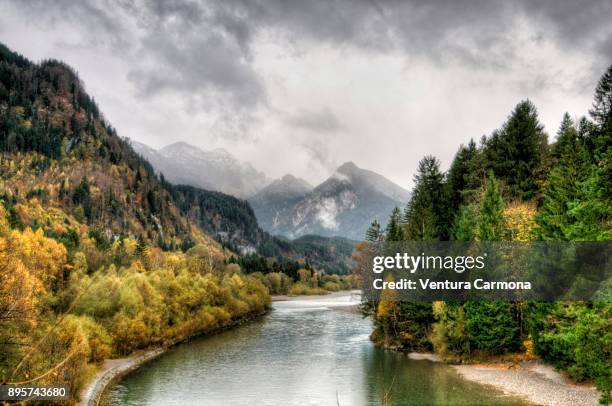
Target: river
{"type": "Point", "coordinates": [313, 351]}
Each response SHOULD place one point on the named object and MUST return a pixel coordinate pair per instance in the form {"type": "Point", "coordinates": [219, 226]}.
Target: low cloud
{"type": "Point", "coordinates": [323, 121]}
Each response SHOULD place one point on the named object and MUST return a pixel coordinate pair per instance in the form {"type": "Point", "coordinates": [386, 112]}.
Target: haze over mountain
{"type": "Point", "coordinates": [217, 169]}
{"type": "Point", "coordinates": [343, 205]}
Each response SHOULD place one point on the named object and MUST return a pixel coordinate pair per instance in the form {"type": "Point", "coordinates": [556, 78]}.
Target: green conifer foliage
{"type": "Point", "coordinates": [373, 233]}
{"type": "Point", "coordinates": [490, 224]}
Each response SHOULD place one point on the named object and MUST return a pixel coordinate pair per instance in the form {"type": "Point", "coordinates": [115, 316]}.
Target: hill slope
{"type": "Point", "coordinates": [57, 148]}
{"type": "Point", "coordinates": [57, 151]}
{"type": "Point", "coordinates": [233, 223]}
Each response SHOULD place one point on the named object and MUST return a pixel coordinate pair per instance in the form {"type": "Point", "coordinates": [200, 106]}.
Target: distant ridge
{"type": "Point", "coordinates": [218, 170]}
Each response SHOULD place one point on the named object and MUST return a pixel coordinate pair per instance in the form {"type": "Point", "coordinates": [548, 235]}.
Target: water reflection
{"type": "Point", "coordinates": [307, 352]}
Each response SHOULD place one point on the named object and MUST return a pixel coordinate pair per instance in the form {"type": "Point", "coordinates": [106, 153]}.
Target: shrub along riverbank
{"type": "Point", "coordinates": [310, 282]}
{"type": "Point", "coordinates": [65, 310]}
{"type": "Point", "coordinates": [514, 186]}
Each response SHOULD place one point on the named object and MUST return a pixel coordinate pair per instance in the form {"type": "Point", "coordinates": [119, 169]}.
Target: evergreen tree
{"type": "Point", "coordinates": [493, 326]}
{"type": "Point", "coordinates": [562, 190]}
{"type": "Point", "coordinates": [477, 172]}
{"type": "Point", "coordinates": [592, 210]}
{"type": "Point", "coordinates": [567, 135]}
{"type": "Point", "coordinates": [394, 227]}
{"type": "Point", "coordinates": [602, 115]}
{"type": "Point", "coordinates": [458, 177]}
{"type": "Point", "coordinates": [465, 224]}
{"type": "Point", "coordinates": [490, 224]}
{"type": "Point", "coordinates": [426, 213]}
{"type": "Point", "coordinates": [517, 153]}
{"type": "Point", "coordinates": [373, 233]}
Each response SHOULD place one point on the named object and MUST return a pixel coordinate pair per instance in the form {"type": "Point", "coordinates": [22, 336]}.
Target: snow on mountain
{"type": "Point", "coordinates": [343, 205]}
{"type": "Point", "coordinates": [217, 169]}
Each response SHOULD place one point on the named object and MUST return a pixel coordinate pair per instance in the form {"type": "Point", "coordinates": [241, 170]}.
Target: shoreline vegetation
{"type": "Point", "coordinates": [97, 258]}
{"type": "Point", "coordinates": [531, 379]}
{"type": "Point", "coordinates": [514, 186]}
{"type": "Point", "coordinates": [114, 369]}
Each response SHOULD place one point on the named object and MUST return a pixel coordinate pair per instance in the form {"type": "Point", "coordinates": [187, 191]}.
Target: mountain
{"type": "Point", "coordinates": [287, 187]}
{"type": "Point", "coordinates": [233, 223]}
{"type": "Point", "coordinates": [343, 205]}
{"type": "Point", "coordinates": [278, 197]}
{"type": "Point", "coordinates": [66, 173]}
{"type": "Point", "coordinates": [58, 153]}
{"type": "Point", "coordinates": [217, 169]}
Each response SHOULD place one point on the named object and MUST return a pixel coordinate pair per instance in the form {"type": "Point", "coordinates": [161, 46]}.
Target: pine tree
{"type": "Point", "coordinates": [592, 209]}
{"type": "Point", "coordinates": [517, 153]}
{"type": "Point", "coordinates": [465, 224]}
{"type": "Point", "coordinates": [373, 233]}
{"type": "Point", "coordinates": [394, 227]}
{"type": "Point", "coordinates": [490, 224]}
{"type": "Point", "coordinates": [425, 215]}
{"type": "Point", "coordinates": [602, 115]}
{"type": "Point", "coordinates": [458, 177]}
{"type": "Point", "coordinates": [567, 135]}
{"type": "Point", "coordinates": [562, 190]}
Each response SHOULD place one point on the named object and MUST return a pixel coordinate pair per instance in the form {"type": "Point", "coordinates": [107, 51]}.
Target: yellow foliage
{"type": "Point", "coordinates": [519, 221]}
{"type": "Point", "coordinates": [42, 256]}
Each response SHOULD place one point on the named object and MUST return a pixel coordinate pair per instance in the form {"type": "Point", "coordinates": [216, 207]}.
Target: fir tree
{"type": "Point", "coordinates": [458, 174]}
{"type": "Point", "coordinates": [592, 210]}
{"type": "Point", "coordinates": [562, 190]}
{"type": "Point", "coordinates": [373, 233]}
{"type": "Point", "coordinates": [465, 223]}
{"type": "Point", "coordinates": [602, 115]}
{"type": "Point", "coordinates": [566, 135]}
{"type": "Point", "coordinates": [517, 153]}
{"type": "Point", "coordinates": [426, 213]}
{"type": "Point", "coordinates": [394, 227]}
{"type": "Point", "coordinates": [490, 225]}
{"type": "Point", "coordinates": [458, 177]}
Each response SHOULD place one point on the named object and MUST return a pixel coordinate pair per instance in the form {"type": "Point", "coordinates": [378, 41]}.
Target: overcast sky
{"type": "Point", "coordinates": [303, 86]}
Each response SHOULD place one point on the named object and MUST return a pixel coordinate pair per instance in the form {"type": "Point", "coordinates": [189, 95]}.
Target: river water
{"type": "Point", "coordinates": [305, 352]}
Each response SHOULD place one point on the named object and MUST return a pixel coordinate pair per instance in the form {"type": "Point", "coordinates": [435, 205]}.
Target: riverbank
{"type": "Point", "coordinates": [533, 380]}
{"type": "Point", "coordinates": [114, 369]}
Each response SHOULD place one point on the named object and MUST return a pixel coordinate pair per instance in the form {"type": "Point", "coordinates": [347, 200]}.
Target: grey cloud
{"type": "Point", "coordinates": [103, 26]}
{"type": "Point", "coordinates": [320, 155]}
{"type": "Point", "coordinates": [197, 65]}
{"type": "Point", "coordinates": [206, 46]}
{"type": "Point", "coordinates": [318, 121]}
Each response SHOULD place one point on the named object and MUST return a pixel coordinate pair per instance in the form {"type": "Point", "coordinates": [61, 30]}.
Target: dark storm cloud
{"type": "Point", "coordinates": [205, 47]}
{"type": "Point", "coordinates": [480, 33]}
{"type": "Point", "coordinates": [318, 121]}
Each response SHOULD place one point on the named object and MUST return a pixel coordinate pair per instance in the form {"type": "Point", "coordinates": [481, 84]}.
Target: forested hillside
{"type": "Point", "coordinates": [58, 149]}
{"type": "Point", "coordinates": [233, 224]}
{"type": "Point", "coordinates": [512, 186]}
{"type": "Point", "coordinates": [96, 260]}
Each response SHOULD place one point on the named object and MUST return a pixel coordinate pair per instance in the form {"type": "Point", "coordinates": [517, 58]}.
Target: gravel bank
{"type": "Point", "coordinates": [114, 369]}
{"type": "Point", "coordinates": [535, 381]}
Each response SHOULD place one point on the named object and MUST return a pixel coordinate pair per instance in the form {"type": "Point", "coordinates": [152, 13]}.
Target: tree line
{"type": "Point", "coordinates": [512, 185]}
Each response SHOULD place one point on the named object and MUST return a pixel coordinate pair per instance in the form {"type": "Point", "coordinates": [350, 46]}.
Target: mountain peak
{"type": "Point", "coordinates": [217, 169]}
{"type": "Point", "coordinates": [348, 167]}
{"type": "Point", "coordinates": [287, 187]}
{"type": "Point", "coordinates": [288, 178]}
